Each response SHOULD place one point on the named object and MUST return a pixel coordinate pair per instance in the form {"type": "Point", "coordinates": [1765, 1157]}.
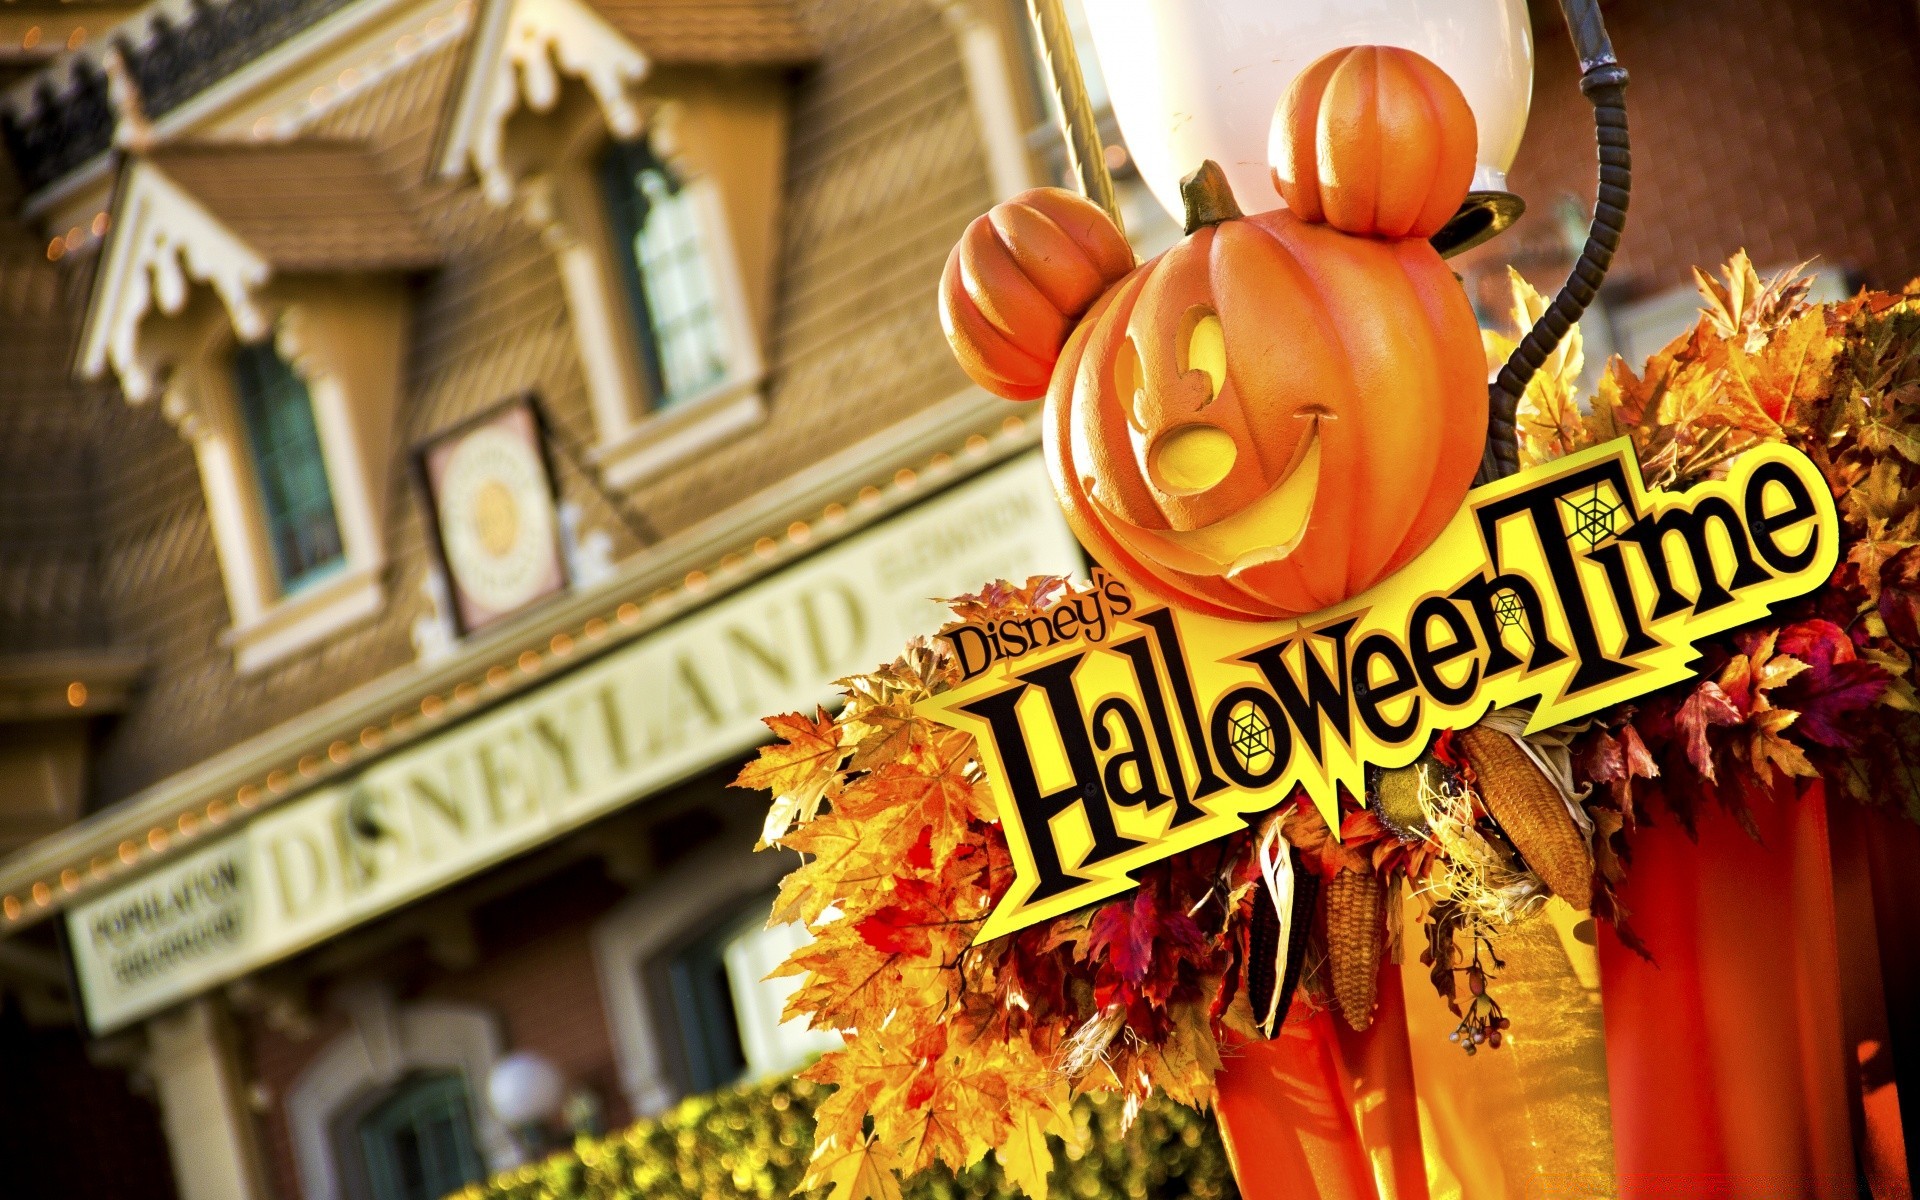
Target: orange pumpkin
{"type": "Point", "coordinates": [1376, 141]}
{"type": "Point", "coordinates": [1270, 417]}
{"type": "Point", "coordinates": [1020, 279]}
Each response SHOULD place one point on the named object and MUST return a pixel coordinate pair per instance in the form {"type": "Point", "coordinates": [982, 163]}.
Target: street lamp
{"type": "Point", "coordinates": [526, 1091]}
{"type": "Point", "coordinates": [1192, 80]}
{"type": "Point", "coordinates": [1197, 79]}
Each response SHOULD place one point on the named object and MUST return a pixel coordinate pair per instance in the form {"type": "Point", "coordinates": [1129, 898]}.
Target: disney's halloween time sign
{"type": "Point", "coordinates": [1117, 733]}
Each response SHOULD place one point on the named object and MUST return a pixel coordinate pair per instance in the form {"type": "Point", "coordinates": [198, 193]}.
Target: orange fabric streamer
{"type": "Point", "coordinates": [1325, 1113]}
{"type": "Point", "coordinates": [1725, 1056]}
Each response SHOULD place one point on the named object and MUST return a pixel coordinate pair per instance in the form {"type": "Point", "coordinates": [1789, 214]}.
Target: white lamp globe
{"type": "Point", "coordinates": [1191, 80]}
{"type": "Point", "coordinates": [525, 1089]}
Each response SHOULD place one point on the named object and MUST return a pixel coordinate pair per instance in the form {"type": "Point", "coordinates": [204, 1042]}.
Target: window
{"type": "Point", "coordinates": [669, 283]}
{"type": "Point", "coordinates": [728, 1011]}
{"type": "Point", "coordinates": [418, 1143]}
{"type": "Point", "coordinates": [704, 1011]}
{"type": "Point", "coordinates": [288, 466]}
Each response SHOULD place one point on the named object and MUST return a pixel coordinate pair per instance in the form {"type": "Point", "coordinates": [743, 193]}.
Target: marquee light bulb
{"type": "Point", "coordinates": [1197, 79]}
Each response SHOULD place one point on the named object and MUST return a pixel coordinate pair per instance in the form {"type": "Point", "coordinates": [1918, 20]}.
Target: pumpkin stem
{"type": "Point", "coordinates": [1208, 197]}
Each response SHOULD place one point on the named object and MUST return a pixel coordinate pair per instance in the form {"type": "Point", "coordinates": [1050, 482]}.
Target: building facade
{"type": "Point", "coordinates": [438, 430]}
{"type": "Point", "coordinates": [441, 431]}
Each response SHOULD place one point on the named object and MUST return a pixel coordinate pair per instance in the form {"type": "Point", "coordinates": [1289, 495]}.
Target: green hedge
{"type": "Point", "coordinates": [755, 1141]}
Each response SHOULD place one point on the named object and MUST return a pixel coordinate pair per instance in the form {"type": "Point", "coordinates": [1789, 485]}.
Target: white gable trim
{"type": "Point", "coordinates": [523, 52]}
{"type": "Point", "coordinates": [164, 242]}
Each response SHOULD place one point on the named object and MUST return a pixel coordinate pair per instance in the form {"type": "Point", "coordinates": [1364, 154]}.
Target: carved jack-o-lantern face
{"type": "Point", "coordinates": [1282, 409]}
{"type": "Point", "coordinates": [1270, 417]}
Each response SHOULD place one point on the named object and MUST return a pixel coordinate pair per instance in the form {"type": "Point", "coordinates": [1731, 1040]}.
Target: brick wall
{"type": "Point", "coordinates": [534, 975]}
{"type": "Point", "coordinates": [1789, 127]}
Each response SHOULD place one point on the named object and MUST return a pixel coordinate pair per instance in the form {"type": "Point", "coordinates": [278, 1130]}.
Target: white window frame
{"type": "Point", "coordinates": [643, 927]}
{"type": "Point", "coordinates": [637, 440]}
{"type": "Point", "coordinates": [551, 84]}
{"type": "Point", "coordinates": [177, 294]}
{"type": "Point", "coordinates": [386, 1042]}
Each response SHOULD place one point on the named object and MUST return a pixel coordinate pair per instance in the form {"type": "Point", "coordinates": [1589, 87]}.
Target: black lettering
{"type": "Point", "coordinates": [1541, 506]}
{"type": "Point", "coordinates": [1141, 655]}
{"type": "Point", "coordinates": [1323, 697]}
{"type": "Point", "coordinates": [1428, 658]}
{"type": "Point", "coordinates": [1095, 625]}
{"type": "Point", "coordinates": [1137, 754]}
{"type": "Point", "coordinates": [1037, 810]}
{"type": "Point", "coordinates": [971, 647]}
{"type": "Point", "coordinates": [1613, 561]}
{"type": "Point", "coordinates": [1481, 592]}
{"type": "Point", "coordinates": [1369, 695]}
{"type": "Point", "coordinates": [1650, 534]}
{"type": "Point", "coordinates": [1167, 636]}
{"type": "Point", "coordinates": [1764, 524]}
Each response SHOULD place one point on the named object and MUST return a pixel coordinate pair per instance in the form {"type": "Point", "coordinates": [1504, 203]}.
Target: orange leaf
{"type": "Point", "coordinates": [798, 770]}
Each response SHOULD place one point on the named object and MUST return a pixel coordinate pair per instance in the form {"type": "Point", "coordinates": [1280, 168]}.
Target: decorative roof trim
{"type": "Point", "coordinates": [523, 53]}
{"type": "Point", "coordinates": [162, 243]}
{"type": "Point", "coordinates": [76, 83]}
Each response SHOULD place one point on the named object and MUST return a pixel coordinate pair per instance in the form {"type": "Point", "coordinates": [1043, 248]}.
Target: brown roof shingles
{"type": "Point", "coordinates": [736, 32]}
{"type": "Point", "coordinates": [303, 206]}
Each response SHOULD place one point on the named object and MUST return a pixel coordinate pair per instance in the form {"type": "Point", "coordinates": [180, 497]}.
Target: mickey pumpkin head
{"type": "Point", "coordinates": [1275, 414]}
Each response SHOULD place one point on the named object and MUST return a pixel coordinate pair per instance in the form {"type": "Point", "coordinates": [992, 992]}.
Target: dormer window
{"type": "Point", "coordinates": [657, 240]}
{"type": "Point", "coordinates": [258, 296]}
{"type": "Point", "coordinates": [289, 467]}
{"type": "Point", "coordinates": [657, 198]}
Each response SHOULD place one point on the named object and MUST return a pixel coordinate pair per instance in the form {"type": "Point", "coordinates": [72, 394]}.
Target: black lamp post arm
{"type": "Point", "coordinates": [1604, 81]}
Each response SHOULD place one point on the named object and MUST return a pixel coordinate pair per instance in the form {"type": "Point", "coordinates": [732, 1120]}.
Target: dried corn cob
{"type": "Point", "coordinates": [1273, 970]}
{"type": "Point", "coordinates": [1533, 812]}
{"type": "Point", "coordinates": [1356, 927]}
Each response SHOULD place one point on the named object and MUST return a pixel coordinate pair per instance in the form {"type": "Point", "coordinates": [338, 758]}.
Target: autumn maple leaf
{"type": "Point", "coordinates": [941, 796]}
{"type": "Point", "coordinates": [798, 770]}
{"type": "Point", "coordinates": [859, 1169]}
{"type": "Point", "coordinates": [907, 925]}
{"type": "Point", "coordinates": [1835, 687]}
{"type": "Point", "coordinates": [1768, 748]}
{"type": "Point", "coordinates": [1139, 943]}
{"type": "Point", "coordinates": [1899, 605]}
{"type": "Point", "coordinates": [1705, 707]}
{"type": "Point", "coordinates": [848, 856]}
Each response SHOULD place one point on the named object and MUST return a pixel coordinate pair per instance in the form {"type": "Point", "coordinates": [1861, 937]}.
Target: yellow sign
{"type": "Point", "coordinates": [1116, 734]}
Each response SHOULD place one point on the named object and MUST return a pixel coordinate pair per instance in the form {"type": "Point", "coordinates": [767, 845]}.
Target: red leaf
{"type": "Point", "coordinates": [895, 930]}
{"type": "Point", "coordinates": [1123, 934]}
{"type": "Point", "coordinates": [1143, 943]}
{"type": "Point", "coordinates": [1900, 597]}
{"type": "Point", "coordinates": [1706, 707]}
{"type": "Point", "coordinates": [901, 928]}
{"type": "Point", "coordinates": [1835, 684]}
{"type": "Point", "coordinates": [920, 856]}
{"type": "Point", "coordinates": [1640, 762]}
{"type": "Point", "coordinates": [1605, 761]}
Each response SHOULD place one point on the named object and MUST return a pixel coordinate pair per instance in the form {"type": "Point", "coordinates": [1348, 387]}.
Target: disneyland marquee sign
{"type": "Point", "coordinates": [636, 719]}
{"type": "Point", "coordinates": [1117, 734]}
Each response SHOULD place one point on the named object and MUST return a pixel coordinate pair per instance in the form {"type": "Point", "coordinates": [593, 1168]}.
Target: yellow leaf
{"type": "Point", "coordinates": [1025, 1157]}
{"type": "Point", "coordinates": [798, 769]}
{"type": "Point", "coordinates": [1770, 750]}
{"type": "Point", "coordinates": [860, 1170]}
{"type": "Point", "coordinates": [850, 857]}
{"type": "Point", "coordinates": [1550, 420]}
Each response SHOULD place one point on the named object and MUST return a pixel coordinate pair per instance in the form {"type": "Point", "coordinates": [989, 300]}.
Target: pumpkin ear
{"type": "Point", "coordinates": [1374, 140]}
{"type": "Point", "coordinates": [1018, 283]}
